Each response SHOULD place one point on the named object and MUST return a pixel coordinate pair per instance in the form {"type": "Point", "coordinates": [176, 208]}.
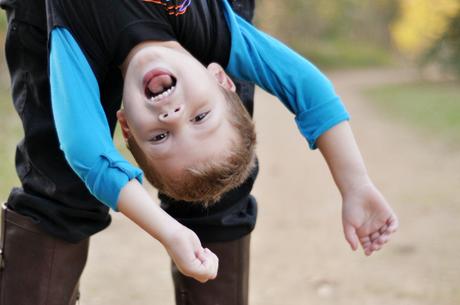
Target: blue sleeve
{"type": "Point", "coordinates": [303, 89]}
{"type": "Point", "coordinates": [81, 124]}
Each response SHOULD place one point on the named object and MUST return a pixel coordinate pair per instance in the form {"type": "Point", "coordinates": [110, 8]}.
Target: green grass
{"type": "Point", "coordinates": [432, 107]}
{"type": "Point", "coordinates": [343, 54]}
{"type": "Point", "coordinates": [10, 135]}
{"type": "Point", "coordinates": [2, 20]}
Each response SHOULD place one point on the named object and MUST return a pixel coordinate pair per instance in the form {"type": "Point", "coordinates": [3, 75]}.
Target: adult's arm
{"type": "Point", "coordinates": [81, 124]}
{"type": "Point", "coordinates": [303, 89]}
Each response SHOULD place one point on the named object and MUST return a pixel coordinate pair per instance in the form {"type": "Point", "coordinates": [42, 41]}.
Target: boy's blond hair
{"type": "Point", "coordinates": [206, 182]}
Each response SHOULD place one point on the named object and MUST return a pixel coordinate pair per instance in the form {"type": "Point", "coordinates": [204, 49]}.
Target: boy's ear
{"type": "Point", "coordinates": [222, 78]}
{"type": "Point", "coordinates": [123, 124]}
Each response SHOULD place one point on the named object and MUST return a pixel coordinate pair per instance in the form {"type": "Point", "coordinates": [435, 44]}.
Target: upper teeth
{"type": "Point", "coordinates": [158, 97]}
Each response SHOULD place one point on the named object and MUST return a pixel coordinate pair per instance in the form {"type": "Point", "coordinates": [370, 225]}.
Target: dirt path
{"type": "Point", "coordinates": [298, 253]}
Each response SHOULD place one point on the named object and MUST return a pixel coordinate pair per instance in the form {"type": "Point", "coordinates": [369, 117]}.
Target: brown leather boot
{"type": "Point", "coordinates": [36, 268]}
{"type": "Point", "coordinates": [231, 285]}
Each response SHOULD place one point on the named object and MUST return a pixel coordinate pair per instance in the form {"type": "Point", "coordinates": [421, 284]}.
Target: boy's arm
{"type": "Point", "coordinates": [85, 138]}
{"type": "Point", "coordinates": [367, 217]}
{"type": "Point", "coordinates": [182, 244]}
{"type": "Point", "coordinates": [303, 89]}
{"type": "Point", "coordinates": [321, 118]}
{"type": "Point", "coordinates": [81, 124]}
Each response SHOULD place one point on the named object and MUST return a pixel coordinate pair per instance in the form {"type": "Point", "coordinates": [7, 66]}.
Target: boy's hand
{"type": "Point", "coordinates": [191, 259]}
{"type": "Point", "coordinates": [367, 218]}
{"type": "Point", "coordinates": [182, 244]}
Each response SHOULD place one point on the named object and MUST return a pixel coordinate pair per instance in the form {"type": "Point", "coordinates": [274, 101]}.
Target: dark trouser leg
{"type": "Point", "coordinates": [38, 269]}
{"type": "Point", "coordinates": [231, 285]}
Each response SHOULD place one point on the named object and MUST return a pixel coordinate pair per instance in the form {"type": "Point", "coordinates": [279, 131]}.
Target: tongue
{"type": "Point", "coordinates": [159, 83]}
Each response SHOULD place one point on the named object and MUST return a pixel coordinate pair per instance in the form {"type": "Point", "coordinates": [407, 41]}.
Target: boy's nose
{"type": "Point", "coordinates": [172, 114]}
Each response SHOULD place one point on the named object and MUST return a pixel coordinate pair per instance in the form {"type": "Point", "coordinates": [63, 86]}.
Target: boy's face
{"type": "Point", "coordinates": [174, 108]}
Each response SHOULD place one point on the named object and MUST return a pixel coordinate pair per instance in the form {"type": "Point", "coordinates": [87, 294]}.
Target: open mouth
{"type": "Point", "coordinates": [159, 85]}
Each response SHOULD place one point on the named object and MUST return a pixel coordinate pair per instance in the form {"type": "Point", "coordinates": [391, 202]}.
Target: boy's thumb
{"type": "Point", "coordinates": [350, 236]}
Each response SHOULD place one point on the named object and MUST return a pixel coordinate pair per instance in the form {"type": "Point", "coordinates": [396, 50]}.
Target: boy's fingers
{"type": "Point", "coordinates": [209, 264]}
{"type": "Point", "coordinates": [202, 273]}
{"type": "Point", "coordinates": [376, 247]}
{"type": "Point", "coordinates": [212, 261]}
{"type": "Point", "coordinates": [383, 229]}
{"type": "Point", "coordinates": [383, 239]}
{"type": "Point", "coordinates": [374, 236]}
{"type": "Point", "coordinates": [351, 237]}
{"type": "Point", "coordinates": [197, 268]}
{"type": "Point", "coordinates": [393, 224]}
{"type": "Point", "coordinates": [368, 251]}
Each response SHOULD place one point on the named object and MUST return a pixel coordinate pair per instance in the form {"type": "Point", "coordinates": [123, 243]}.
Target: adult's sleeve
{"type": "Point", "coordinates": [81, 124]}
{"type": "Point", "coordinates": [303, 89]}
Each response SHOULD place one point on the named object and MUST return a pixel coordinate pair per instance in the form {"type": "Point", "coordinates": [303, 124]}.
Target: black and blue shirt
{"type": "Point", "coordinates": [89, 39]}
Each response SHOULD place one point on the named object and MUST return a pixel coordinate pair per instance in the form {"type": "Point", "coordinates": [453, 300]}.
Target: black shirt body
{"type": "Point", "coordinates": [106, 31]}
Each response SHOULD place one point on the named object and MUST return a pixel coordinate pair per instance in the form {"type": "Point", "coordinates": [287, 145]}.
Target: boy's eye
{"type": "Point", "coordinates": [200, 117]}
{"type": "Point", "coordinates": [158, 138]}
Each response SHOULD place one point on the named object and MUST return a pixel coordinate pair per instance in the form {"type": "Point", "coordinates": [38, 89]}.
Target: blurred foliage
{"type": "Point", "coordinates": [343, 54]}
{"type": "Point", "coordinates": [421, 23]}
{"type": "Point", "coordinates": [2, 28]}
{"type": "Point", "coordinates": [2, 20]}
{"type": "Point", "coordinates": [332, 33]}
{"type": "Point", "coordinates": [446, 50]}
{"type": "Point", "coordinates": [429, 32]}
{"type": "Point", "coordinates": [11, 133]}
{"type": "Point", "coordinates": [3, 72]}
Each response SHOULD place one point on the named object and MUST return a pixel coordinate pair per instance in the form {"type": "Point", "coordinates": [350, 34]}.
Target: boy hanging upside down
{"type": "Point", "coordinates": [169, 61]}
